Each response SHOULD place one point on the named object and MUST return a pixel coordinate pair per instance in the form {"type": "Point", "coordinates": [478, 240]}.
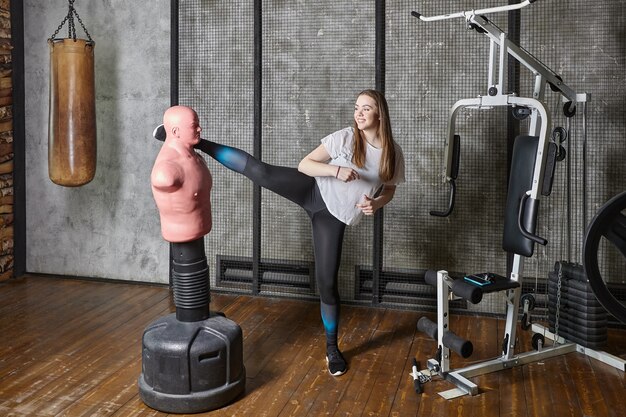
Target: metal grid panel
{"type": "Point", "coordinates": [317, 56]}
{"type": "Point", "coordinates": [216, 74]}
{"type": "Point", "coordinates": [429, 67]}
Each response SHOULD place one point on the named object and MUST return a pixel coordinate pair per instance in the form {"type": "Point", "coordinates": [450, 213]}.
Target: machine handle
{"type": "Point", "coordinates": [520, 225]}
{"type": "Point", "coordinates": [470, 13]}
{"type": "Point", "coordinates": [450, 203]}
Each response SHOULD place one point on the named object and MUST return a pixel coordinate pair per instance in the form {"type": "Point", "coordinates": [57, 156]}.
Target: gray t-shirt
{"type": "Point", "coordinates": [341, 197]}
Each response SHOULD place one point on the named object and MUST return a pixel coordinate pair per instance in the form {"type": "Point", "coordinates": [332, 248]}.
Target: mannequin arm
{"type": "Point", "coordinates": [167, 176]}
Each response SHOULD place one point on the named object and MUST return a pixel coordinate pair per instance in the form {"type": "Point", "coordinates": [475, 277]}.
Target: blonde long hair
{"type": "Point", "coordinates": [387, 167]}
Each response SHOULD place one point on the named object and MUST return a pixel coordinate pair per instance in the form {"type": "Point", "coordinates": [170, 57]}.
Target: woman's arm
{"type": "Point", "coordinates": [369, 205]}
{"type": "Point", "coordinates": [315, 164]}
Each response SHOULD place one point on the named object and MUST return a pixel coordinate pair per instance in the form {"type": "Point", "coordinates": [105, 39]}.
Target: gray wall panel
{"type": "Point", "coordinates": [108, 228]}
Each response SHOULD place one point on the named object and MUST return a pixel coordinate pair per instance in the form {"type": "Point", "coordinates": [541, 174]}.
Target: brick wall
{"type": "Point", "coordinates": [6, 144]}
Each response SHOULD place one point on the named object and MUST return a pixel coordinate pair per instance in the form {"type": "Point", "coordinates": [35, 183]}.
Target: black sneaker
{"type": "Point", "coordinates": [336, 363]}
{"type": "Point", "coordinates": [159, 133]}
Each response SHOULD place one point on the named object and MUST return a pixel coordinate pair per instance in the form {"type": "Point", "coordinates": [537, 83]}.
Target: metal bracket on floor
{"type": "Point", "coordinates": [604, 357]}
{"type": "Point", "coordinates": [460, 377]}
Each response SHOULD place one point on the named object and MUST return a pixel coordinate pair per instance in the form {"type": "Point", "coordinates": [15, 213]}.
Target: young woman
{"type": "Point", "coordinates": [352, 173]}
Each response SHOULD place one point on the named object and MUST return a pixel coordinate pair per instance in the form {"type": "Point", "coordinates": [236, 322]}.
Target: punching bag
{"type": "Point", "coordinates": [72, 118]}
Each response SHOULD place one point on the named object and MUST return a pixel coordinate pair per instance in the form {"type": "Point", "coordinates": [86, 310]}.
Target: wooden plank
{"type": "Point", "coordinates": [61, 325]}
{"type": "Point", "coordinates": [511, 393]}
{"type": "Point", "coordinates": [363, 379]}
{"type": "Point", "coordinates": [136, 408]}
{"type": "Point", "coordinates": [108, 396]}
{"type": "Point", "coordinates": [81, 356]}
{"type": "Point", "coordinates": [586, 379]}
{"type": "Point", "coordinates": [296, 357]}
{"type": "Point", "coordinates": [537, 388]}
{"type": "Point", "coordinates": [609, 382]}
{"type": "Point", "coordinates": [318, 379]}
{"type": "Point", "coordinates": [393, 372]}
{"type": "Point", "coordinates": [60, 375]}
{"type": "Point", "coordinates": [354, 343]}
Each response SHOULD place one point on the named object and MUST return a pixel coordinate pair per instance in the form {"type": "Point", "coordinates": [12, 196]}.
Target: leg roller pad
{"type": "Point", "coordinates": [428, 327]}
{"type": "Point", "coordinates": [450, 340]}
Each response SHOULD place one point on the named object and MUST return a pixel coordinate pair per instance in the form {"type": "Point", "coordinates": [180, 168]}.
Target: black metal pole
{"type": "Point", "coordinates": [174, 48]}
{"type": "Point", "coordinates": [379, 52]}
{"type": "Point", "coordinates": [174, 38]}
{"type": "Point", "coordinates": [257, 137]}
{"type": "Point", "coordinates": [513, 86]}
{"type": "Point", "coordinates": [19, 145]}
{"type": "Point", "coordinates": [377, 255]}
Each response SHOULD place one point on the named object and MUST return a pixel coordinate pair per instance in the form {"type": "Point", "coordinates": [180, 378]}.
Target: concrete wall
{"type": "Point", "coordinates": [316, 57]}
{"type": "Point", "coordinates": [108, 228]}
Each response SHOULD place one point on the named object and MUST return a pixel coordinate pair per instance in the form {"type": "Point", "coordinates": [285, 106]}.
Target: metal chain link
{"type": "Point", "coordinates": [83, 26]}
{"type": "Point", "coordinates": [558, 304]}
{"type": "Point", "coordinates": [71, 27]}
{"type": "Point", "coordinates": [58, 29]}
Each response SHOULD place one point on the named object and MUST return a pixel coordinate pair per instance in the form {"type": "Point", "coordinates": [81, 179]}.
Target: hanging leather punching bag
{"type": "Point", "coordinates": [72, 123]}
{"type": "Point", "coordinates": [72, 117]}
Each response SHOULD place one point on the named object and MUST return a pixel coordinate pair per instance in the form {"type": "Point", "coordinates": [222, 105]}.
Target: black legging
{"type": "Point", "coordinates": [301, 189]}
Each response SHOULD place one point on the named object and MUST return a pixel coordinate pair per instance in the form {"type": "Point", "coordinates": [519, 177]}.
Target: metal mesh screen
{"type": "Point", "coordinates": [216, 75]}
{"type": "Point", "coordinates": [317, 56]}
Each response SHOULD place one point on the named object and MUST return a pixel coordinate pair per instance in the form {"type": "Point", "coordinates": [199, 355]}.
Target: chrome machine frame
{"type": "Point", "coordinates": [540, 124]}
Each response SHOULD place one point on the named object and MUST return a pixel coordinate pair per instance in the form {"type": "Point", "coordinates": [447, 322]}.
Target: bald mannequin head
{"type": "Point", "coordinates": [181, 124]}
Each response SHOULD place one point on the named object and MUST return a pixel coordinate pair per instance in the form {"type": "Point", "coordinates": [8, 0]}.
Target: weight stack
{"type": "Point", "coordinates": [582, 319]}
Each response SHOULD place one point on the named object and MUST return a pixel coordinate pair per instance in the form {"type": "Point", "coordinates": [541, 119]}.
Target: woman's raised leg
{"type": "Point", "coordinates": [286, 182]}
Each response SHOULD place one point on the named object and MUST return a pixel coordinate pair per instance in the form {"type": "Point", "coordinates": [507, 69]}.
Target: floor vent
{"type": "Point", "coordinates": [275, 276]}
{"type": "Point", "coordinates": [401, 288]}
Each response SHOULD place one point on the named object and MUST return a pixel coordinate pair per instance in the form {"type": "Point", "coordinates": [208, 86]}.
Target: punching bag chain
{"type": "Point", "coordinates": [70, 19]}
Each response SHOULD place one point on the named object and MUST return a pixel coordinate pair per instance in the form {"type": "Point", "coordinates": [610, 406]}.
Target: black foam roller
{"type": "Point", "coordinates": [468, 291]}
{"type": "Point", "coordinates": [430, 277]}
{"type": "Point", "coordinates": [457, 344]}
{"type": "Point", "coordinates": [427, 326]}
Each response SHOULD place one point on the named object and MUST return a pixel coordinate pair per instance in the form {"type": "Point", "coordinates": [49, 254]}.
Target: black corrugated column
{"type": "Point", "coordinates": [257, 137]}
{"type": "Point", "coordinates": [379, 56]}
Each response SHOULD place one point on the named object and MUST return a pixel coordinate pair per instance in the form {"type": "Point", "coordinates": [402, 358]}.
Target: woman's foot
{"type": "Point", "coordinates": [159, 133]}
{"type": "Point", "coordinates": [336, 363]}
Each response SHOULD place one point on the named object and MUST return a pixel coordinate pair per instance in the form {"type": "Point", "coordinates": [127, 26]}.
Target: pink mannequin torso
{"type": "Point", "coordinates": [181, 186]}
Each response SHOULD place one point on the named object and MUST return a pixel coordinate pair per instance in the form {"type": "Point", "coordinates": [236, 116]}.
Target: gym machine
{"type": "Point", "coordinates": [609, 223]}
{"type": "Point", "coordinates": [532, 170]}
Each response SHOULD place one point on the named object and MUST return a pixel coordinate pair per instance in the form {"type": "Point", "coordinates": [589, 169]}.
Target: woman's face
{"type": "Point", "coordinates": [366, 113]}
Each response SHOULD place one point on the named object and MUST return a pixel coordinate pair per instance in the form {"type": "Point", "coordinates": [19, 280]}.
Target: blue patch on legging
{"type": "Point", "coordinates": [329, 317]}
{"type": "Point", "coordinates": [231, 158]}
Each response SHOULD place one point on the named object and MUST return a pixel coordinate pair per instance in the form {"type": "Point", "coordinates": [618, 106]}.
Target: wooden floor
{"type": "Point", "coordinates": [73, 348]}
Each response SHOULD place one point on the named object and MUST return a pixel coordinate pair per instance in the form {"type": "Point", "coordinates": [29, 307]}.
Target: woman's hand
{"type": "Point", "coordinates": [368, 206]}
{"type": "Point", "coordinates": [346, 174]}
